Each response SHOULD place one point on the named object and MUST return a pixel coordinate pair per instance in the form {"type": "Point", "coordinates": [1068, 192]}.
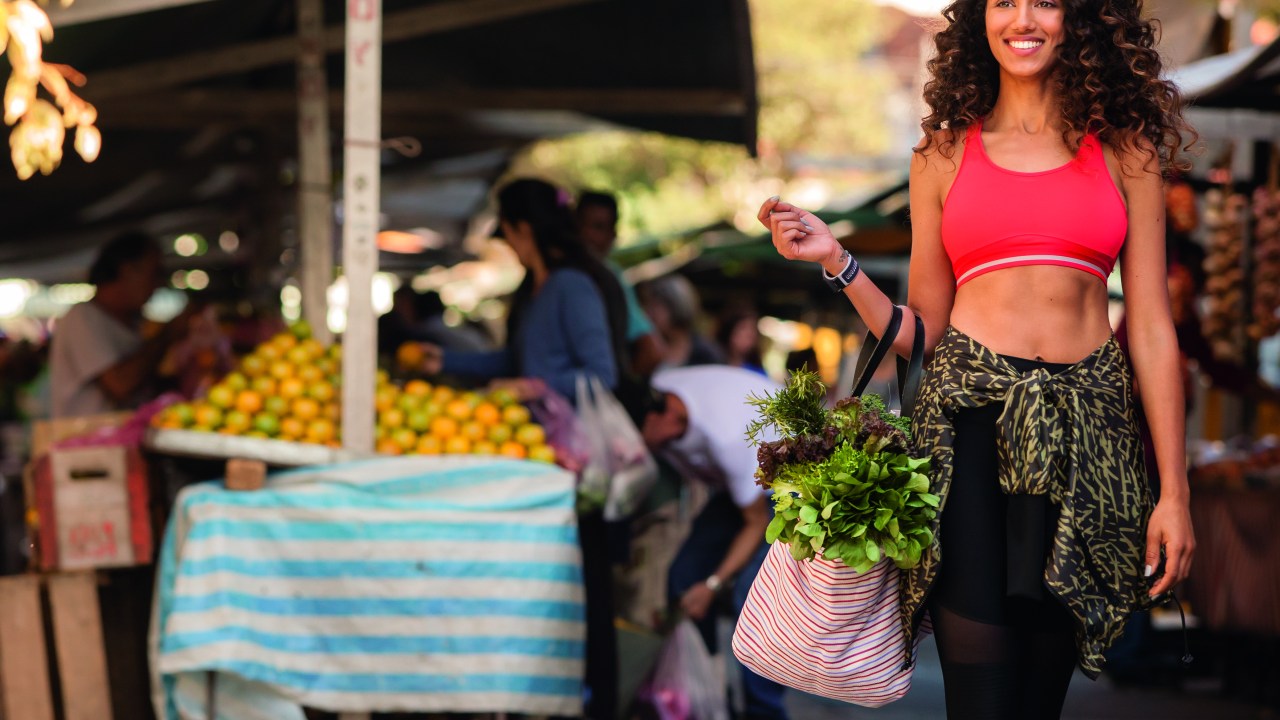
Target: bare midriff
{"type": "Point", "coordinates": [1038, 312]}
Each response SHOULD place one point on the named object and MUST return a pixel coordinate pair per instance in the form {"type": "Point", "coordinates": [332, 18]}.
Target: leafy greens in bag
{"type": "Point", "coordinates": [845, 484]}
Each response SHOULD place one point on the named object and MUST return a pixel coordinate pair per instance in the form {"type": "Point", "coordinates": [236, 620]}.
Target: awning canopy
{"type": "Point", "coordinates": [1234, 97]}
{"type": "Point", "coordinates": [876, 226]}
{"type": "Point", "coordinates": [1247, 78]}
{"type": "Point", "coordinates": [197, 106]}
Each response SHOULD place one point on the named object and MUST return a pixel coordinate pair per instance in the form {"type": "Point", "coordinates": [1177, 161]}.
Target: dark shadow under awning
{"type": "Point", "coordinates": [197, 106]}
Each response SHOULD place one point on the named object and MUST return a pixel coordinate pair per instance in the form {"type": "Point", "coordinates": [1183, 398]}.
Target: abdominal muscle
{"type": "Point", "coordinates": [1038, 312]}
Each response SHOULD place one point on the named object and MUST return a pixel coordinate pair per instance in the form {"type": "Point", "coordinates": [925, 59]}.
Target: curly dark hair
{"type": "Point", "coordinates": [1108, 80]}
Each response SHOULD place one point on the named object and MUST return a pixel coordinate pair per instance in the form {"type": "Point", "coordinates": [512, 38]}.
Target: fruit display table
{"type": "Point", "coordinates": [415, 584]}
{"type": "Point", "coordinates": [281, 453]}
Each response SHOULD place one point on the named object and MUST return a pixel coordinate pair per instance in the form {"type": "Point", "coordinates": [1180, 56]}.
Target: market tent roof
{"type": "Point", "coordinates": [1234, 97]}
{"type": "Point", "coordinates": [197, 105]}
{"type": "Point", "coordinates": [878, 225]}
{"type": "Point", "coordinates": [1246, 78]}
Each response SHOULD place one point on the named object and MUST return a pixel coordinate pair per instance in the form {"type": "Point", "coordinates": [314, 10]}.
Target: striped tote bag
{"type": "Point", "coordinates": [819, 626]}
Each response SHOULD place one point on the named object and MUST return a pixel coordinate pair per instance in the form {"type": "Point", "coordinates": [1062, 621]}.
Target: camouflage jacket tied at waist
{"type": "Point", "coordinates": [1072, 436]}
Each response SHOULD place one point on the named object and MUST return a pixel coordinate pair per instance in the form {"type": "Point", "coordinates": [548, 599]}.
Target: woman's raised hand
{"type": "Point", "coordinates": [797, 233]}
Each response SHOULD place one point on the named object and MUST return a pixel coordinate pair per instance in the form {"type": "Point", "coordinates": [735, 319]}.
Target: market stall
{"type": "Point", "coordinates": [392, 584]}
{"type": "Point", "coordinates": [330, 546]}
{"type": "Point", "coordinates": [199, 124]}
{"type": "Point", "coordinates": [1231, 204]}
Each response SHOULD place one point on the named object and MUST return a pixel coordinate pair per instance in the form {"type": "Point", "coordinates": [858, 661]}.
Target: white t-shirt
{"type": "Point", "coordinates": [86, 342]}
{"type": "Point", "coordinates": [715, 448]}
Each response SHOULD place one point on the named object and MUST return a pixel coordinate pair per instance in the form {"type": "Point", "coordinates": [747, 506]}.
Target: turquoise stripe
{"type": "Point", "coordinates": [383, 569]}
{"type": "Point", "coordinates": [368, 607]}
{"type": "Point", "coordinates": [343, 497]}
{"type": "Point", "coordinates": [427, 481]}
{"type": "Point", "coordinates": [320, 469]}
{"type": "Point", "coordinates": [381, 645]}
{"type": "Point", "coordinates": [319, 472]}
{"type": "Point", "coordinates": [403, 683]}
{"type": "Point", "coordinates": [382, 531]}
{"type": "Point", "coordinates": [458, 477]}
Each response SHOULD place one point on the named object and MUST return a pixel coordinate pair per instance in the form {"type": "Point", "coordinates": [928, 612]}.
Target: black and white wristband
{"type": "Point", "coordinates": [845, 277]}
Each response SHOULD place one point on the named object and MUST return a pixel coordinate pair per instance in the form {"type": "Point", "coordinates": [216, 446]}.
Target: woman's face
{"type": "Point", "coordinates": [659, 314]}
{"type": "Point", "coordinates": [519, 235]}
{"type": "Point", "coordinates": [1024, 35]}
{"type": "Point", "coordinates": [745, 335]}
{"type": "Point", "coordinates": [141, 278]}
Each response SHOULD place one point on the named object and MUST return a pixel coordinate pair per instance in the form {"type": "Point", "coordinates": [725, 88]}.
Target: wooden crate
{"type": "Point", "coordinates": [76, 644]}
{"type": "Point", "coordinates": [92, 508]}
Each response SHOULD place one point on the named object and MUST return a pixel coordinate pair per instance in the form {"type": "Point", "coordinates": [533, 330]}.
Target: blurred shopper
{"type": "Point", "coordinates": [100, 361]}
{"type": "Point", "coordinates": [567, 319]}
{"type": "Point", "coordinates": [672, 303]}
{"type": "Point", "coordinates": [1050, 126]}
{"type": "Point", "coordinates": [738, 335]}
{"type": "Point", "coordinates": [419, 317]}
{"type": "Point", "coordinates": [697, 422]}
{"type": "Point", "coordinates": [597, 217]}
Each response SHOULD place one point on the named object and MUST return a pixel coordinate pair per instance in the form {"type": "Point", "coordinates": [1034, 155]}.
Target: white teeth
{"type": "Point", "coordinates": [1025, 44]}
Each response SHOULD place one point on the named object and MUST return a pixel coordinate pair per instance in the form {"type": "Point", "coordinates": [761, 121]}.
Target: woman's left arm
{"type": "Point", "coordinates": [1153, 345]}
{"type": "Point", "coordinates": [586, 322]}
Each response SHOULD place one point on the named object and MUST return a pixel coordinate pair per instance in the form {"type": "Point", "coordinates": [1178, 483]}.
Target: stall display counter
{"type": "Point", "coordinates": [413, 584]}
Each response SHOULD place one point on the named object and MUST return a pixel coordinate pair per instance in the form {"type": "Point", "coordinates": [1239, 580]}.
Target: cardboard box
{"type": "Point", "coordinates": [93, 509]}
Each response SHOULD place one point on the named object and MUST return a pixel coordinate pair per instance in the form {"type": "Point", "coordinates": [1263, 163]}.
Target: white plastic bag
{"type": "Point", "coordinates": [685, 684]}
{"type": "Point", "coordinates": [621, 471]}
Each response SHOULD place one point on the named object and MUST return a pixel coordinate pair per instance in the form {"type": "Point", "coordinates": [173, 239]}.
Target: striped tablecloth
{"type": "Point", "coordinates": [401, 584]}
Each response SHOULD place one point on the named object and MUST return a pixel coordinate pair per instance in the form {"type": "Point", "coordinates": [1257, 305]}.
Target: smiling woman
{"type": "Point", "coordinates": [1115, 51]}
{"type": "Point", "coordinates": [1040, 168]}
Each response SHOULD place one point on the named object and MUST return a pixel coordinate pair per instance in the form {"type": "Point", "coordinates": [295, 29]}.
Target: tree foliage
{"type": "Point", "coordinates": [821, 96]}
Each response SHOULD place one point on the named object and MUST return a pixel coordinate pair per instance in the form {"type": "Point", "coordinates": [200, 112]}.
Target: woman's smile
{"type": "Point", "coordinates": [1024, 34]}
{"type": "Point", "coordinates": [1025, 46]}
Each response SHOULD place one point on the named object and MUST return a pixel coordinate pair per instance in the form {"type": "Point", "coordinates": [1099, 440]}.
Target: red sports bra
{"type": "Point", "coordinates": [995, 218]}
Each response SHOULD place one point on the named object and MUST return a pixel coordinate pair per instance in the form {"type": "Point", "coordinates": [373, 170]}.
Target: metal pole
{"type": "Point", "coordinates": [315, 190]}
{"type": "Point", "coordinates": [360, 206]}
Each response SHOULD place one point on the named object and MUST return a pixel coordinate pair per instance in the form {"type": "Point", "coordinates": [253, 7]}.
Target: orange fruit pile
{"type": "Point", "coordinates": [288, 388]}
{"type": "Point", "coordinates": [426, 419]}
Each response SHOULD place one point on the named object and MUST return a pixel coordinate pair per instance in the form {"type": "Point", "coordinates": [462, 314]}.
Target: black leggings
{"type": "Point", "coordinates": [1003, 657]}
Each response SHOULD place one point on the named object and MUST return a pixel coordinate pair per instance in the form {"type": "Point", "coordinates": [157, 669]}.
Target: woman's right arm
{"type": "Point", "coordinates": [483, 364]}
{"type": "Point", "coordinates": [800, 235]}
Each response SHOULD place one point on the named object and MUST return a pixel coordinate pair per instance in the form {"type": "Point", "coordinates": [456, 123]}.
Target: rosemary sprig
{"type": "Point", "coordinates": [797, 409]}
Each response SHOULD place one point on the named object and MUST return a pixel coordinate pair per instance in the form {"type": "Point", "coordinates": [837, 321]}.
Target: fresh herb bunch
{"type": "Point", "coordinates": [845, 485]}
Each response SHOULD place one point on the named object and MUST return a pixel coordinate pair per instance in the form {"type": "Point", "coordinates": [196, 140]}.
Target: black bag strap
{"type": "Point", "coordinates": [910, 369]}
{"type": "Point", "coordinates": [873, 352]}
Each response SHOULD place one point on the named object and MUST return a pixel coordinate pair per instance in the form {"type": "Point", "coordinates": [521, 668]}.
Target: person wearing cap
{"type": "Point", "coordinates": [99, 360]}
{"type": "Point", "coordinates": [697, 421]}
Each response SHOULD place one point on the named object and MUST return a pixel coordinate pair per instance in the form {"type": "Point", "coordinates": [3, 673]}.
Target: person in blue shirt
{"type": "Point", "coordinates": [597, 216]}
{"type": "Point", "coordinates": [567, 319]}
